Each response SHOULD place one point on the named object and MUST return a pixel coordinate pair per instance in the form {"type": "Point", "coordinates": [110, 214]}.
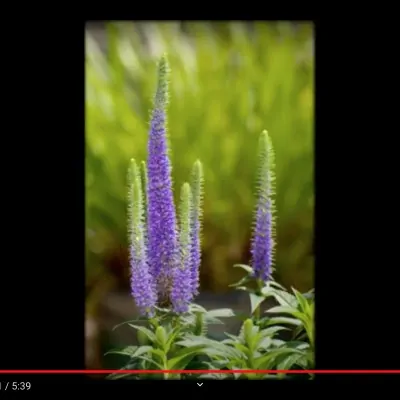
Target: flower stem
{"type": "Point", "coordinates": [257, 311]}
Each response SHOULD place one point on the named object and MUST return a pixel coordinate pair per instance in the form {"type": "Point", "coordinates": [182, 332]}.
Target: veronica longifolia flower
{"type": "Point", "coordinates": [142, 287]}
{"type": "Point", "coordinates": [262, 246]}
{"type": "Point", "coordinates": [161, 215]}
{"type": "Point", "coordinates": [182, 294]}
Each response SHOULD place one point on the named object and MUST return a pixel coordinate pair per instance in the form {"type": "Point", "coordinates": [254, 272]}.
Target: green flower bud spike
{"type": "Point", "coordinates": [141, 281]}
{"type": "Point", "coordinates": [144, 179]}
{"type": "Point", "coordinates": [181, 293]}
{"type": "Point", "coordinates": [162, 95]}
{"type": "Point", "coordinates": [197, 185]}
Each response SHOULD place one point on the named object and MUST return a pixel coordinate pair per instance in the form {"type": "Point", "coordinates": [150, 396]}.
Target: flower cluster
{"type": "Point", "coordinates": [164, 259]}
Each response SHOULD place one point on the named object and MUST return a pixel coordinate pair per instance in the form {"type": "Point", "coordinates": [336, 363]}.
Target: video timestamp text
{"type": "Point", "coordinates": [17, 386]}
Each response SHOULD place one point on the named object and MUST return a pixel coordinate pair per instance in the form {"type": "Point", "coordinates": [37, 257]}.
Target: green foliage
{"type": "Point", "coordinates": [172, 342]}
{"type": "Point", "coordinates": [298, 311]}
{"type": "Point", "coordinates": [229, 84]}
{"type": "Point", "coordinates": [166, 343]}
{"type": "Point", "coordinates": [297, 306]}
{"type": "Point", "coordinates": [295, 311]}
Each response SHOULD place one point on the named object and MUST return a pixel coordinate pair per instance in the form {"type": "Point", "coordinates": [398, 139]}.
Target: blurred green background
{"type": "Point", "coordinates": [229, 81]}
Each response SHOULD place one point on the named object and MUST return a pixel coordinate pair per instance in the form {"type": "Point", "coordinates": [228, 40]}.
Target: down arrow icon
{"type": "Point", "coordinates": [200, 383]}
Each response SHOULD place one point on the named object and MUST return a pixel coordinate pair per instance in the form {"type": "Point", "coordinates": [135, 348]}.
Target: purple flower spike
{"type": "Point", "coordinates": [161, 216]}
{"type": "Point", "coordinates": [142, 286]}
{"type": "Point", "coordinates": [262, 247]}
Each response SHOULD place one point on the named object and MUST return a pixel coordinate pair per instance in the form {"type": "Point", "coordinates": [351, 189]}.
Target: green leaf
{"type": "Point", "coordinates": [309, 295]}
{"type": "Point", "coordinates": [161, 336]}
{"type": "Point", "coordinates": [151, 361]}
{"type": "Point", "coordinates": [200, 324]}
{"type": "Point", "coordinates": [303, 303]}
{"type": "Point", "coordinates": [265, 343]}
{"type": "Point", "coordinates": [282, 309]}
{"type": "Point", "coordinates": [311, 310]}
{"type": "Point", "coordinates": [220, 347]}
{"type": "Point", "coordinates": [291, 360]}
{"type": "Point", "coordinates": [183, 357]}
{"type": "Point", "coordinates": [248, 330]}
{"type": "Point", "coordinates": [242, 281]}
{"type": "Point", "coordinates": [244, 289]}
{"type": "Point", "coordinates": [247, 268]}
{"type": "Point", "coordinates": [243, 349]}
{"type": "Point", "coordinates": [196, 307]}
{"type": "Point", "coordinates": [189, 350]}
{"type": "Point", "coordinates": [311, 358]}
{"type": "Point", "coordinates": [268, 292]}
{"type": "Point", "coordinates": [215, 353]}
{"type": "Point", "coordinates": [282, 320]}
{"type": "Point", "coordinates": [305, 319]}
{"type": "Point", "coordinates": [275, 284]}
{"type": "Point", "coordinates": [302, 336]}
{"type": "Point", "coordinates": [255, 301]}
{"type": "Point", "coordinates": [171, 338]}
{"type": "Point", "coordinates": [127, 322]}
{"type": "Point", "coordinates": [285, 298]}
{"type": "Point", "coordinates": [160, 354]}
{"type": "Point", "coordinates": [220, 313]}
{"type": "Point", "coordinates": [116, 376]}
{"type": "Point", "coordinates": [128, 366]}
{"type": "Point", "coordinates": [127, 351]}
{"type": "Point", "coordinates": [260, 339]}
{"type": "Point", "coordinates": [213, 321]}
{"type": "Point", "coordinates": [143, 339]}
{"type": "Point", "coordinates": [254, 376]}
{"type": "Point", "coordinates": [299, 331]}
{"type": "Point", "coordinates": [233, 337]}
{"type": "Point", "coordinates": [297, 344]}
{"type": "Point", "coordinates": [141, 350]}
{"type": "Point", "coordinates": [278, 342]}
{"type": "Point", "coordinates": [271, 331]}
{"type": "Point", "coordinates": [150, 335]}
{"type": "Point", "coordinates": [267, 361]}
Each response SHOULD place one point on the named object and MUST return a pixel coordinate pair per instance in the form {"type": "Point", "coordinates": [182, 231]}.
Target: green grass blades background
{"type": "Point", "coordinates": [229, 81]}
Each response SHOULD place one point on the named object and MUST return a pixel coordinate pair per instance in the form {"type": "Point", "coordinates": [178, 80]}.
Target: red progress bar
{"type": "Point", "coordinates": [240, 371]}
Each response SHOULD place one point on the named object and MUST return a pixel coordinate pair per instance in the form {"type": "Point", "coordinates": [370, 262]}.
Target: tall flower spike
{"type": "Point", "coordinates": [197, 184]}
{"type": "Point", "coordinates": [181, 293]}
{"type": "Point", "coordinates": [141, 281]}
{"type": "Point", "coordinates": [143, 176]}
{"type": "Point", "coordinates": [262, 246]}
{"type": "Point", "coordinates": [161, 214]}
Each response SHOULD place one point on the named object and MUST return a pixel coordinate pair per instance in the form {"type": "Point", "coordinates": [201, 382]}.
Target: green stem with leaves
{"type": "Point", "coordinates": [257, 311]}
